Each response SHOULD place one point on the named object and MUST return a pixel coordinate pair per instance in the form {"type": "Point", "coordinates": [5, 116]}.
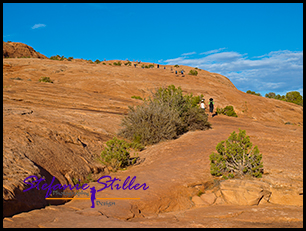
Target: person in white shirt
{"type": "Point", "coordinates": [202, 105]}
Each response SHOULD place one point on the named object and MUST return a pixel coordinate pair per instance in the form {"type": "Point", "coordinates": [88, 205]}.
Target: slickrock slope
{"type": "Point", "coordinates": [58, 129]}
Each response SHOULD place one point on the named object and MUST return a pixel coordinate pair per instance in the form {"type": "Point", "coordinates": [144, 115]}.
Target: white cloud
{"type": "Point", "coordinates": [38, 26]}
{"type": "Point", "coordinates": [212, 51]}
{"type": "Point", "coordinates": [190, 53]}
{"type": "Point", "coordinates": [277, 71]}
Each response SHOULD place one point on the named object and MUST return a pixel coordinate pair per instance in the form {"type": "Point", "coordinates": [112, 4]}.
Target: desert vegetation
{"type": "Point", "coordinates": [193, 72]}
{"type": "Point", "coordinates": [253, 93]}
{"type": "Point", "coordinates": [136, 97]}
{"type": "Point", "coordinates": [117, 63]}
{"type": "Point", "coordinates": [228, 110]}
{"type": "Point", "coordinates": [128, 63]}
{"type": "Point", "coordinates": [292, 96]}
{"type": "Point", "coordinates": [116, 154]}
{"type": "Point", "coordinates": [147, 66]}
{"type": "Point", "coordinates": [60, 58]}
{"type": "Point", "coordinates": [236, 157]}
{"type": "Point", "coordinates": [45, 79]}
{"type": "Point", "coordinates": [164, 116]}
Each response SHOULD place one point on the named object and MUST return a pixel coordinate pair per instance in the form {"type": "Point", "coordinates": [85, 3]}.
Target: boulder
{"type": "Point", "coordinates": [287, 196]}
{"type": "Point", "coordinates": [198, 201]}
{"type": "Point", "coordinates": [209, 198]}
{"type": "Point", "coordinates": [245, 192]}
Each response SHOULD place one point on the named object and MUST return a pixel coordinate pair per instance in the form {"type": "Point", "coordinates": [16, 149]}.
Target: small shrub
{"type": "Point", "coordinates": [236, 157]}
{"type": "Point", "coordinates": [136, 146]}
{"type": "Point", "coordinates": [55, 57]}
{"type": "Point", "coordinates": [200, 193]}
{"type": "Point", "coordinates": [176, 65]}
{"type": "Point", "coordinates": [97, 61]}
{"type": "Point", "coordinates": [150, 123]}
{"type": "Point", "coordinates": [116, 154]}
{"type": "Point", "coordinates": [253, 93]}
{"type": "Point", "coordinates": [166, 116]}
{"type": "Point", "coordinates": [228, 110]}
{"type": "Point", "coordinates": [195, 100]}
{"type": "Point", "coordinates": [147, 66]}
{"type": "Point", "coordinates": [104, 63]}
{"type": "Point", "coordinates": [193, 72]}
{"type": "Point", "coordinates": [128, 63]}
{"type": "Point", "coordinates": [45, 79]}
{"type": "Point", "coordinates": [136, 97]}
{"type": "Point", "coordinates": [117, 64]}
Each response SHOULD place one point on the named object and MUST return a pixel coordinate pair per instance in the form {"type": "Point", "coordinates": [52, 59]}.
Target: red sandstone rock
{"type": "Point", "coordinates": [20, 50]}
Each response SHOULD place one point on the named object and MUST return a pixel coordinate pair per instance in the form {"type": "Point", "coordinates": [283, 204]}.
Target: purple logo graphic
{"type": "Point", "coordinates": [127, 184]}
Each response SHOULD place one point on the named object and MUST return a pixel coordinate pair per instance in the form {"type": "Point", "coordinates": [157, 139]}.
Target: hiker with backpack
{"type": "Point", "coordinates": [211, 106]}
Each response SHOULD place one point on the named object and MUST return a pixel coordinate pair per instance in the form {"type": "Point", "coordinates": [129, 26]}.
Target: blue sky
{"type": "Point", "coordinates": [259, 47]}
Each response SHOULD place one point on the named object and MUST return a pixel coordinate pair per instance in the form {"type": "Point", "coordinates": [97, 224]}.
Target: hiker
{"type": "Point", "coordinates": [202, 105]}
{"type": "Point", "coordinates": [164, 67]}
{"type": "Point", "coordinates": [175, 72]}
{"type": "Point", "coordinates": [134, 64]}
{"type": "Point", "coordinates": [157, 65]}
{"type": "Point", "coordinates": [211, 106]}
{"type": "Point", "coordinates": [182, 72]}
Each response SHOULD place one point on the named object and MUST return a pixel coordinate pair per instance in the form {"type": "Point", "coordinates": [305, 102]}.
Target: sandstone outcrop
{"type": "Point", "coordinates": [20, 50]}
{"type": "Point", "coordinates": [245, 192]}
